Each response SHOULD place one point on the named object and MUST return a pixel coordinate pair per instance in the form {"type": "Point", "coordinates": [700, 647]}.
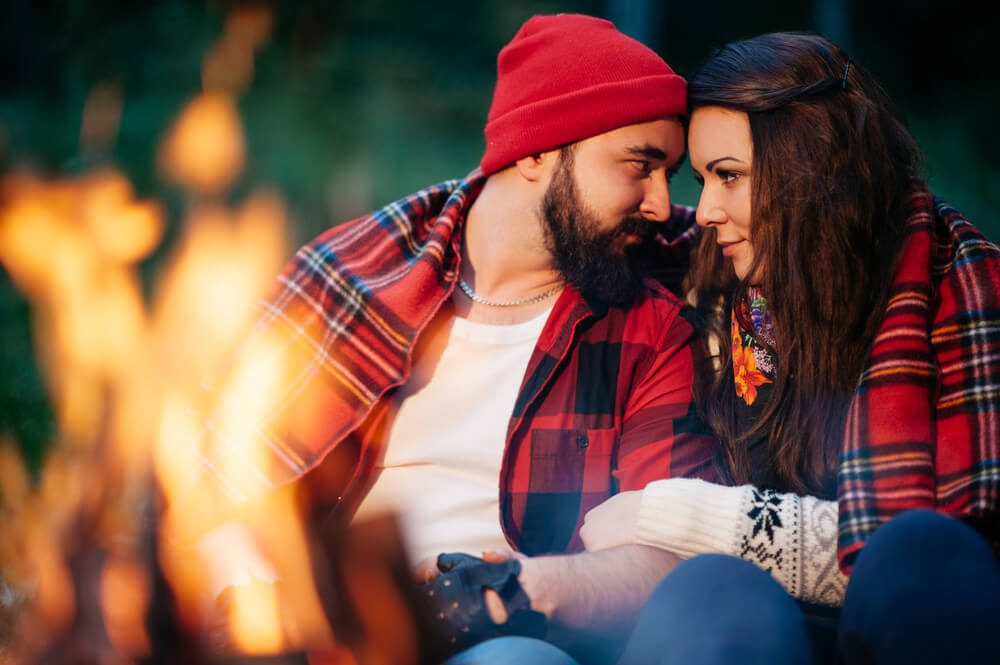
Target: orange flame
{"type": "Point", "coordinates": [126, 377]}
{"type": "Point", "coordinates": [204, 305]}
{"type": "Point", "coordinates": [125, 596]}
{"type": "Point", "coordinates": [71, 246]}
{"type": "Point", "coordinates": [204, 149]}
{"type": "Point", "coordinates": [228, 66]}
{"type": "Point", "coordinates": [100, 342]}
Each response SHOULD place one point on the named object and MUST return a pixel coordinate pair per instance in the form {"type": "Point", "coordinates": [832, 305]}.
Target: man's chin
{"type": "Point", "coordinates": [615, 288]}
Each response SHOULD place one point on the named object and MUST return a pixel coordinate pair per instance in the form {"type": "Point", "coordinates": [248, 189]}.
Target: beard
{"type": "Point", "coordinates": [600, 264]}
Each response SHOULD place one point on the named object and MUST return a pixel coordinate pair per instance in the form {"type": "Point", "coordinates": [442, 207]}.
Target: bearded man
{"type": "Point", "coordinates": [489, 359]}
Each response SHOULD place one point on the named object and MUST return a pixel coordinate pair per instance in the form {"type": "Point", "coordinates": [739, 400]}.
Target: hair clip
{"type": "Point", "coordinates": [847, 69]}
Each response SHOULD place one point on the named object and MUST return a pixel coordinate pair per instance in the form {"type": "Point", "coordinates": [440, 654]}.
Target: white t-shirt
{"type": "Point", "coordinates": [439, 469]}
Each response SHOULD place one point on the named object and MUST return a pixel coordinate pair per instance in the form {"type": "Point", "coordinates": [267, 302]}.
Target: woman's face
{"type": "Point", "coordinates": [721, 153]}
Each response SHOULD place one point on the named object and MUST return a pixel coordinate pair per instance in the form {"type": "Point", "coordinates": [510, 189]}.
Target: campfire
{"type": "Point", "coordinates": [100, 558]}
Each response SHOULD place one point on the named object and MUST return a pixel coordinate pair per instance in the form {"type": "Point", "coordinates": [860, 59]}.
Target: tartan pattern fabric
{"type": "Point", "coordinates": [605, 404]}
{"type": "Point", "coordinates": [923, 430]}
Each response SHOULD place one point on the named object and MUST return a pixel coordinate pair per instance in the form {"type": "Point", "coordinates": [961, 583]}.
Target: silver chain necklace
{"type": "Point", "coordinates": [475, 297]}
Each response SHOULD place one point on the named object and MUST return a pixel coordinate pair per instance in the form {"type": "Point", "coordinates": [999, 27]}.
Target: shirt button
{"type": "Point", "coordinates": [581, 441]}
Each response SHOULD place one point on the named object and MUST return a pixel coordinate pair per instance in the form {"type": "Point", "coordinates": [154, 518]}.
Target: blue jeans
{"type": "Point", "coordinates": [924, 589]}
{"type": "Point", "coordinates": [719, 609]}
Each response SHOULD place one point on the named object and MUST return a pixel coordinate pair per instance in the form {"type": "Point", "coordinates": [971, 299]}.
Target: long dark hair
{"type": "Point", "coordinates": [832, 166]}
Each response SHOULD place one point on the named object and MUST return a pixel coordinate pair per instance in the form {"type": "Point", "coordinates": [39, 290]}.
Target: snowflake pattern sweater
{"type": "Point", "coordinates": [792, 537]}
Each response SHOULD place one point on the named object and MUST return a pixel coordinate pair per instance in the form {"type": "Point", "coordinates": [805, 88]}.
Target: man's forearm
{"type": "Point", "coordinates": [600, 591]}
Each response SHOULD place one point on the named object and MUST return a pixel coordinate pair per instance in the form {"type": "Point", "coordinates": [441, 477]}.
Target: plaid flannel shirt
{"type": "Point", "coordinates": [923, 430]}
{"type": "Point", "coordinates": [605, 404]}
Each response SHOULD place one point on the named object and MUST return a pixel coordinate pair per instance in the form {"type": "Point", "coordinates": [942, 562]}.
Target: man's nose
{"type": "Point", "coordinates": [656, 201]}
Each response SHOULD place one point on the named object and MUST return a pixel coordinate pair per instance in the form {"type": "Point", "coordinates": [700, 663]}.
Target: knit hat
{"type": "Point", "coordinates": [567, 77]}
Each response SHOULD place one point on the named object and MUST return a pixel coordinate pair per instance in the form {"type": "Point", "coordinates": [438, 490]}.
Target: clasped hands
{"type": "Point", "coordinates": [475, 598]}
{"type": "Point", "coordinates": [478, 598]}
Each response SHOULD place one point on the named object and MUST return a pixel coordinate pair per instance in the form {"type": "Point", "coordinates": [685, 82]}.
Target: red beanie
{"type": "Point", "coordinates": [568, 77]}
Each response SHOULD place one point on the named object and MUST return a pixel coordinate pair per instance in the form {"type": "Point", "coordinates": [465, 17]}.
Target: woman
{"type": "Point", "coordinates": [854, 328]}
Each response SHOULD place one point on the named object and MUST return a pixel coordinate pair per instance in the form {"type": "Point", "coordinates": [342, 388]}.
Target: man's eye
{"type": "Point", "coordinates": [642, 166]}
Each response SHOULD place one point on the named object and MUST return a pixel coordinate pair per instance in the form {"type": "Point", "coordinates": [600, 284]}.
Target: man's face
{"type": "Point", "coordinates": [601, 203]}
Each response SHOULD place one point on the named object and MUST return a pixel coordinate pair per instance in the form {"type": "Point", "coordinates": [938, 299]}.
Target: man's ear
{"type": "Point", "coordinates": [530, 167]}
{"type": "Point", "coordinates": [534, 167]}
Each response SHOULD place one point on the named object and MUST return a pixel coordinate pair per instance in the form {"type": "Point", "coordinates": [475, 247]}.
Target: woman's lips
{"type": "Point", "coordinates": [729, 248]}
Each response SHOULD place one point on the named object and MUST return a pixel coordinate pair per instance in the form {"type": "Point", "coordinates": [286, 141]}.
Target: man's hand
{"type": "Point", "coordinates": [475, 600]}
{"type": "Point", "coordinates": [600, 592]}
{"type": "Point", "coordinates": [427, 570]}
{"type": "Point", "coordinates": [612, 523]}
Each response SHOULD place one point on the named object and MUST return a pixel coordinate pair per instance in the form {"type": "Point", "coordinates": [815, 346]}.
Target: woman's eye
{"type": "Point", "coordinates": [728, 177]}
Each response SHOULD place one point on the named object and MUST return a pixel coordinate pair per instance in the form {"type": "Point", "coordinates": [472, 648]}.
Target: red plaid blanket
{"type": "Point", "coordinates": [923, 430]}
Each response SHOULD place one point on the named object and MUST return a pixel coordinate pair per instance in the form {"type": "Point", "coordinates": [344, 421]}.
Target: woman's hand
{"type": "Point", "coordinates": [612, 523]}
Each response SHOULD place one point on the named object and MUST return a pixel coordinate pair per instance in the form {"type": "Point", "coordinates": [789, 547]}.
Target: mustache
{"type": "Point", "coordinates": [639, 226]}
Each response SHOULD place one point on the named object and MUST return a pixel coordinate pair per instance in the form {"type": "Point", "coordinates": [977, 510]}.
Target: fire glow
{"type": "Point", "coordinates": [126, 377]}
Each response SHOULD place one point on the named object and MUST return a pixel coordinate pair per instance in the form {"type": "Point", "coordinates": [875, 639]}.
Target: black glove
{"type": "Point", "coordinates": [456, 601]}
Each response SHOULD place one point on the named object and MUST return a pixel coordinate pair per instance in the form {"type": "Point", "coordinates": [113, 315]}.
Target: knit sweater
{"type": "Point", "coordinates": [792, 537]}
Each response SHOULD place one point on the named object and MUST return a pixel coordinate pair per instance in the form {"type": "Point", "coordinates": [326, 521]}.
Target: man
{"type": "Point", "coordinates": [499, 331]}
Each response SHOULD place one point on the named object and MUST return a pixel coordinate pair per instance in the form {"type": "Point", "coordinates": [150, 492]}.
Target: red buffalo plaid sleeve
{"type": "Point", "coordinates": [662, 434]}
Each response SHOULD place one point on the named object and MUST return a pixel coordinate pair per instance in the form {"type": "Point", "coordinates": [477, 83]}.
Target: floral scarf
{"type": "Point", "coordinates": [753, 363]}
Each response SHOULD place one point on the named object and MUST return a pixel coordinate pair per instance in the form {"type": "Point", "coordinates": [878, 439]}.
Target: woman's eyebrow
{"type": "Point", "coordinates": [711, 164]}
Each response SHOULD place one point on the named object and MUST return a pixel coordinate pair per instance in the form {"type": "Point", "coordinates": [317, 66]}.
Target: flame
{"type": "Point", "coordinates": [204, 149]}
{"type": "Point", "coordinates": [17, 573]}
{"type": "Point", "coordinates": [125, 596]}
{"type": "Point", "coordinates": [130, 375]}
{"type": "Point", "coordinates": [71, 246]}
{"type": "Point", "coordinates": [228, 66]}
{"type": "Point", "coordinates": [204, 306]}
{"type": "Point", "coordinates": [55, 597]}
{"type": "Point", "coordinates": [127, 377]}
{"type": "Point", "coordinates": [124, 230]}
{"type": "Point", "coordinates": [255, 619]}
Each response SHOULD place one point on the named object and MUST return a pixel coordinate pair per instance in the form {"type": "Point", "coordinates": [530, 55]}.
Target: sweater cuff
{"type": "Point", "coordinates": [688, 516]}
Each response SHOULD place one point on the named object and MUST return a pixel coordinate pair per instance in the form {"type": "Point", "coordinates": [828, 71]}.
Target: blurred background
{"type": "Point", "coordinates": [349, 105]}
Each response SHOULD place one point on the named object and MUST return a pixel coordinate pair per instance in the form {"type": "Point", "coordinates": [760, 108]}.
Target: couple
{"type": "Point", "coordinates": [491, 359]}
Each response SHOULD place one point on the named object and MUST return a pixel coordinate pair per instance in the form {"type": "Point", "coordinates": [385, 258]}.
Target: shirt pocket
{"type": "Point", "coordinates": [570, 473]}
{"type": "Point", "coordinates": [573, 460]}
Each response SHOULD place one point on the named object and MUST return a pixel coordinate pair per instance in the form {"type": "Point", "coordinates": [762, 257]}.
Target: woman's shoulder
{"type": "Point", "coordinates": [962, 258]}
{"type": "Point", "coordinates": [959, 242]}
{"type": "Point", "coordinates": [964, 275]}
